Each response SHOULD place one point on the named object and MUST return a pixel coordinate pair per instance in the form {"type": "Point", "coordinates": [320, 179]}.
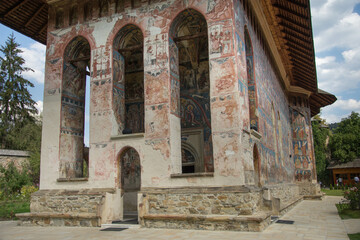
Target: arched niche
{"type": "Point", "coordinates": [75, 69]}
{"type": "Point", "coordinates": [128, 81]}
{"type": "Point", "coordinates": [190, 85]}
{"type": "Point", "coordinates": [130, 178]}
{"type": "Point", "coordinates": [250, 68]}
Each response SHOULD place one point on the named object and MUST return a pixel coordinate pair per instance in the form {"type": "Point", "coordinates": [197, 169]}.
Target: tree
{"type": "Point", "coordinates": [321, 134]}
{"type": "Point", "coordinates": [345, 142]}
{"type": "Point", "coordinates": [17, 108]}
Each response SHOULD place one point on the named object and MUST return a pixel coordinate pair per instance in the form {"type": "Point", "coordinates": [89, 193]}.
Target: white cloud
{"type": "Point", "coordinates": [337, 27]}
{"type": "Point", "coordinates": [343, 34]}
{"type": "Point", "coordinates": [340, 109]}
{"type": "Point", "coordinates": [35, 59]}
{"type": "Point", "coordinates": [338, 76]}
{"type": "Point", "coordinates": [39, 106]}
{"type": "Point", "coordinates": [327, 13]}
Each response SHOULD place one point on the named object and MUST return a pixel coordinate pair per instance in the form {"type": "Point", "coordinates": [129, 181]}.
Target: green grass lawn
{"type": "Point", "coordinates": [355, 236]}
{"type": "Point", "coordinates": [334, 192]}
{"type": "Point", "coordinates": [8, 209]}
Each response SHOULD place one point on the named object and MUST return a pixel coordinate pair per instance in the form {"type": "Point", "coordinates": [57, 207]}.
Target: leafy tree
{"type": "Point", "coordinates": [17, 108]}
{"type": "Point", "coordinates": [345, 143]}
{"type": "Point", "coordinates": [321, 135]}
{"type": "Point", "coordinates": [20, 129]}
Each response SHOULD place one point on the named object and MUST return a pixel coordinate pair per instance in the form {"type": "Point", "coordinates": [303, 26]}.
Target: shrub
{"type": "Point", "coordinates": [353, 195]}
{"type": "Point", "coordinates": [12, 180]}
{"type": "Point", "coordinates": [331, 187]}
{"type": "Point", "coordinates": [27, 190]}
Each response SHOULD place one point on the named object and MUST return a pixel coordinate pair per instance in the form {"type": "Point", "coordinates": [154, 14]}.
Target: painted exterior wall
{"type": "Point", "coordinates": [159, 148]}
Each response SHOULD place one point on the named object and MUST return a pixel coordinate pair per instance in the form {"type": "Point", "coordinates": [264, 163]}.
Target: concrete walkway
{"type": "Point", "coordinates": [313, 220]}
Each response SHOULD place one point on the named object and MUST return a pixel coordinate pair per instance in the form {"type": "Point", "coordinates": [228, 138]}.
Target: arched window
{"type": "Point", "coordinates": [190, 88]}
{"type": "Point", "coordinates": [254, 122]}
{"type": "Point", "coordinates": [76, 67]}
{"type": "Point", "coordinates": [128, 81]}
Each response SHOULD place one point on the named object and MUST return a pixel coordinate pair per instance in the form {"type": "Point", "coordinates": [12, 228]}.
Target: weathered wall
{"type": "Point", "coordinates": [158, 144]}
{"type": "Point", "coordinates": [19, 158]}
{"type": "Point", "coordinates": [303, 144]}
{"type": "Point", "coordinates": [273, 125]}
{"type": "Point", "coordinates": [159, 147]}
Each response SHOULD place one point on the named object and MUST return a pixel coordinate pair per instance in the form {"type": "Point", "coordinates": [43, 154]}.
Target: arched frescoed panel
{"type": "Point", "coordinates": [128, 81]}
{"type": "Point", "coordinates": [76, 62]}
{"type": "Point", "coordinates": [130, 178]}
{"type": "Point", "coordinates": [190, 83]}
{"type": "Point", "coordinates": [250, 67]}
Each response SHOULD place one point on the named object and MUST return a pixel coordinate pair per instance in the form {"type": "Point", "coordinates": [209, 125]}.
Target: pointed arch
{"type": "Point", "coordinates": [129, 177]}
{"type": "Point", "coordinates": [75, 68]}
{"type": "Point", "coordinates": [190, 85]}
{"type": "Point", "coordinates": [252, 94]}
{"type": "Point", "coordinates": [128, 81]}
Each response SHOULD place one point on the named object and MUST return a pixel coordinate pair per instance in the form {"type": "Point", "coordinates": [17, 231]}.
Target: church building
{"type": "Point", "coordinates": [197, 112]}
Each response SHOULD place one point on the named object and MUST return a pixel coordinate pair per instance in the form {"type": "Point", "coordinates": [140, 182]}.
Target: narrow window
{"type": "Point", "coordinates": [254, 122]}
{"type": "Point", "coordinates": [73, 105]}
{"type": "Point", "coordinates": [189, 65]}
{"type": "Point", "coordinates": [128, 81]}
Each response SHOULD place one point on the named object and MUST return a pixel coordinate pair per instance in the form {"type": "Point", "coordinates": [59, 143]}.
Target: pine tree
{"type": "Point", "coordinates": [17, 108]}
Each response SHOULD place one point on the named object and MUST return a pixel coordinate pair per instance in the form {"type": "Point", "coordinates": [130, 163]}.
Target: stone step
{"type": "Point", "coordinates": [112, 225]}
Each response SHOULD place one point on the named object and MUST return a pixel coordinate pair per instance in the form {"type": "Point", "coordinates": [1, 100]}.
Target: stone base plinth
{"type": "Point", "coordinates": [208, 208]}
{"type": "Point", "coordinates": [66, 208]}
{"type": "Point", "coordinates": [252, 223]}
{"type": "Point", "coordinates": [52, 219]}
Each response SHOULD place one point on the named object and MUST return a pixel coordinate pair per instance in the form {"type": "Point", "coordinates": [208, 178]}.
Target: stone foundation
{"type": "Point", "coordinates": [253, 223]}
{"type": "Point", "coordinates": [310, 190]}
{"type": "Point", "coordinates": [66, 208]}
{"type": "Point", "coordinates": [232, 208]}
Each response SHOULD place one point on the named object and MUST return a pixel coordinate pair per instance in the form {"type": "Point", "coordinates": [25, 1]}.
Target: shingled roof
{"type": "Point", "coordinates": [29, 17]}
{"type": "Point", "coordinates": [353, 164]}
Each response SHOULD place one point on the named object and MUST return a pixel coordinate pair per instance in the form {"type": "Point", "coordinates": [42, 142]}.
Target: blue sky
{"type": "Point", "coordinates": [336, 30]}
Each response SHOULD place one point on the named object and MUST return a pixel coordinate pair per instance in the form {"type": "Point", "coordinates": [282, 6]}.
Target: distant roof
{"type": "Point", "coordinates": [353, 164]}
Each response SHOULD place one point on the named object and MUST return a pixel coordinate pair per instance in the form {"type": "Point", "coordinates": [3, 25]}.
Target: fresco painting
{"type": "Point", "coordinates": [128, 77]}
{"type": "Point", "coordinates": [302, 155]}
{"type": "Point", "coordinates": [130, 170]}
{"type": "Point", "coordinates": [174, 78]}
{"type": "Point", "coordinates": [73, 109]}
{"type": "Point", "coordinates": [118, 91]}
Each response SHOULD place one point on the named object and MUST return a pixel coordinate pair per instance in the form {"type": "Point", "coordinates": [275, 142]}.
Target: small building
{"type": "Point", "coordinates": [347, 171]}
{"type": "Point", "coordinates": [199, 110]}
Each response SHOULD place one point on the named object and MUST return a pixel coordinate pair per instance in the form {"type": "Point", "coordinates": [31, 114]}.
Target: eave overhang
{"type": "Point", "coordinates": [29, 17]}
